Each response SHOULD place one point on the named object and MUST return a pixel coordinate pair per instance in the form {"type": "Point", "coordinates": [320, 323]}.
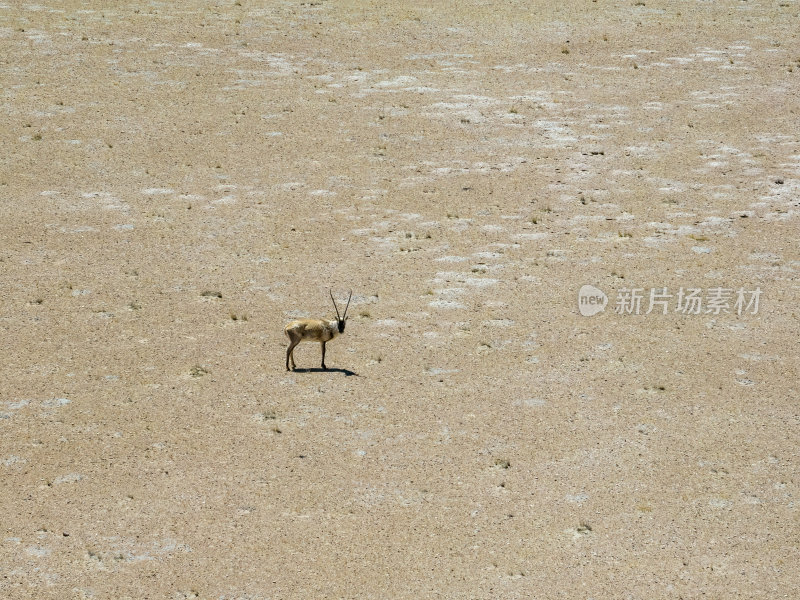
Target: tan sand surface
{"type": "Point", "coordinates": [178, 180]}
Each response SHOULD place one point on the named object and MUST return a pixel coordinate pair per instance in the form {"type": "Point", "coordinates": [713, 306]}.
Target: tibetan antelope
{"type": "Point", "coordinates": [315, 330]}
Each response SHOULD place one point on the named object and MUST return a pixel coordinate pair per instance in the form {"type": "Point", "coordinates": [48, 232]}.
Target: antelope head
{"type": "Point", "coordinates": [341, 319]}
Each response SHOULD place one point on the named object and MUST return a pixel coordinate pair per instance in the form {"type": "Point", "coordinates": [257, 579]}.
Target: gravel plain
{"type": "Point", "coordinates": [179, 180]}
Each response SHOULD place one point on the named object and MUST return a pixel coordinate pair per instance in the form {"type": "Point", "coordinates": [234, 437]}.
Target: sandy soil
{"type": "Point", "coordinates": [180, 179]}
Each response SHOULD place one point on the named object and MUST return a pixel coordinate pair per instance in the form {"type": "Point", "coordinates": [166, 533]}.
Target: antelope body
{"type": "Point", "coordinates": [315, 330]}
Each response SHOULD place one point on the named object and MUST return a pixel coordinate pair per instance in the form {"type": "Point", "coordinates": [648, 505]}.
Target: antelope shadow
{"type": "Point", "coordinates": [345, 372]}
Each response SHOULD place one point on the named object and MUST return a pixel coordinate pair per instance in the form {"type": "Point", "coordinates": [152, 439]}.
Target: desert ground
{"type": "Point", "coordinates": [178, 180]}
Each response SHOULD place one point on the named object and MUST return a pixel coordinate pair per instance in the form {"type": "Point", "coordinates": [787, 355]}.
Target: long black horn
{"type": "Point", "coordinates": [348, 303]}
{"type": "Point", "coordinates": [334, 306]}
